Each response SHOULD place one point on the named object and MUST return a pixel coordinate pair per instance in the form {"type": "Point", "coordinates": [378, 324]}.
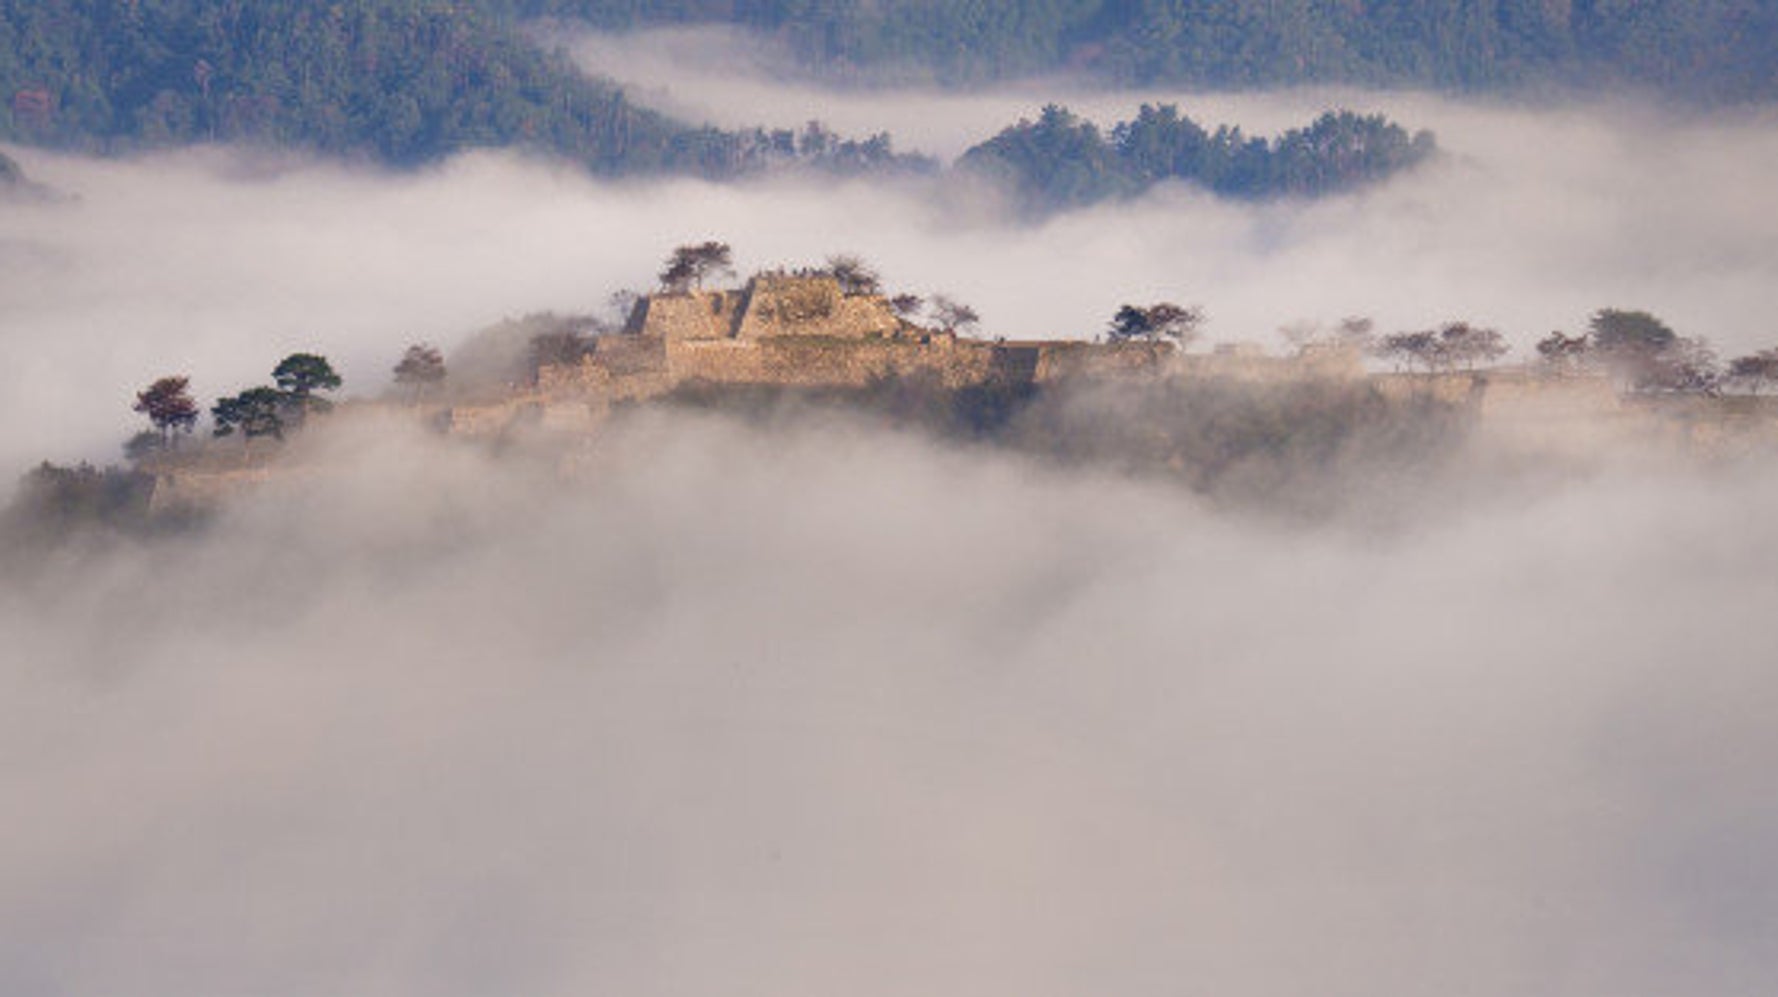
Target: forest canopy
{"type": "Point", "coordinates": [1704, 49]}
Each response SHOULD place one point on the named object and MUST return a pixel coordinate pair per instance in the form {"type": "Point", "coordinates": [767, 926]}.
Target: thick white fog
{"type": "Point", "coordinates": [828, 709]}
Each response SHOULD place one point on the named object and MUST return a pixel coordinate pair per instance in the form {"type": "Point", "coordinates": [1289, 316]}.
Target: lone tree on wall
{"type": "Point", "coordinates": [952, 315]}
{"type": "Point", "coordinates": [856, 277]}
{"type": "Point", "coordinates": [690, 266]}
{"type": "Point", "coordinates": [421, 368]}
{"type": "Point", "coordinates": [169, 406]}
{"type": "Point", "coordinates": [1155, 322]}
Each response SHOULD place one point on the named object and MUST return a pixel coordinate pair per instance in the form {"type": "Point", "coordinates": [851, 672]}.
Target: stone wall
{"type": "Point", "coordinates": [693, 315]}
{"type": "Point", "coordinates": [719, 361]}
{"type": "Point", "coordinates": [198, 490]}
{"type": "Point", "coordinates": [815, 361]}
{"type": "Point", "coordinates": [1246, 364]}
{"type": "Point", "coordinates": [1061, 359]}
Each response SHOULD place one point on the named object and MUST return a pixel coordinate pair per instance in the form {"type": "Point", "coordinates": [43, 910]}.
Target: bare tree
{"type": "Point", "coordinates": [952, 315]}
{"type": "Point", "coordinates": [690, 266]}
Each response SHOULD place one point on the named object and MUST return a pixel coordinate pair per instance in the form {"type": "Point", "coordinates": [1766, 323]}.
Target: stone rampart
{"type": "Point", "coordinates": [723, 361]}
{"type": "Point", "coordinates": [815, 361]}
{"type": "Point", "coordinates": [1060, 359]}
{"type": "Point", "coordinates": [812, 305]}
{"type": "Point", "coordinates": [692, 315]}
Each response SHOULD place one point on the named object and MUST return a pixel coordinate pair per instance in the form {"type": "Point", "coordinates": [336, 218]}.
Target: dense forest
{"type": "Point", "coordinates": [410, 81]}
{"type": "Point", "coordinates": [400, 81]}
{"type": "Point", "coordinates": [1700, 49]}
{"type": "Point", "coordinates": [1060, 161]}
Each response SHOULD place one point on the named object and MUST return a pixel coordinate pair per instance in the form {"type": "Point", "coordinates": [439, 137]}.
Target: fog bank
{"type": "Point", "coordinates": [811, 710]}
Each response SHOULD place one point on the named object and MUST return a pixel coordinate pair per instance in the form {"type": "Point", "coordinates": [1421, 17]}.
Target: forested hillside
{"type": "Point", "coordinates": [1705, 49]}
{"type": "Point", "coordinates": [399, 81]}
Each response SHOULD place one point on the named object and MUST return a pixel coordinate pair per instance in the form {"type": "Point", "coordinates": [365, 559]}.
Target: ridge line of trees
{"type": "Point", "coordinates": [1061, 160]}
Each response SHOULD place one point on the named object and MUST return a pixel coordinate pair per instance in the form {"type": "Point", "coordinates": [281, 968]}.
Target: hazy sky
{"type": "Point", "coordinates": [826, 709]}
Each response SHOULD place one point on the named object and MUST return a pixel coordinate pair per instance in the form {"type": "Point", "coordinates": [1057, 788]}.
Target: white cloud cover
{"type": "Point", "coordinates": [834, 710]}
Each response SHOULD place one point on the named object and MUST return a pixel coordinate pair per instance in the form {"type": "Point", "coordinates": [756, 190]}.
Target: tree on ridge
{"type": "Point", "coordinates": [169, 406]}
{"type": "Point", "coordinates": [1163, 320]}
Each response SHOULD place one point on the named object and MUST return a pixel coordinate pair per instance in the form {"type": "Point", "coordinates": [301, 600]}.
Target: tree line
{"type": "Point", "coordinates": [1062, 161]}
{"type": "Point", "coordinates": [1638, 350]}
{"type": "Point", "coordinates": [1701, 49]}
{"type": "Point", "coordinates": [400, 81]}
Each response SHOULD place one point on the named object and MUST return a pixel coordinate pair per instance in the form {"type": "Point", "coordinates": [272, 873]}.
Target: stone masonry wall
{"type": "Point", "coordinates": [695, 315]}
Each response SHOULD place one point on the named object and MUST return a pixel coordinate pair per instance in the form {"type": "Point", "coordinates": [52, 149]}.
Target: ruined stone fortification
{"type": "Point", "coordinates": [804, 331]}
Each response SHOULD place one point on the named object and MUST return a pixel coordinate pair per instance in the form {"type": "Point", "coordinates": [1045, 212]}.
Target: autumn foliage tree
{"type": "Point", "coordinates": [169, 406]}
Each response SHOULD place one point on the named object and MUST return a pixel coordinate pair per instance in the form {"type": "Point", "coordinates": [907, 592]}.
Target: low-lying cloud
{"type": "Point", "coordinates": [795, 710]}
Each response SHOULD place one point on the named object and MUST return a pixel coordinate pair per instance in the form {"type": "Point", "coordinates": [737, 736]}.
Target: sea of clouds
{"type": "Point", "coordinates": [817, 706]}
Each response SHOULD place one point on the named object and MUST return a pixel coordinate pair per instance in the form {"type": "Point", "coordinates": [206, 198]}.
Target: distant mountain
{"type": "Point", "coordinates": [1713, 50]}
